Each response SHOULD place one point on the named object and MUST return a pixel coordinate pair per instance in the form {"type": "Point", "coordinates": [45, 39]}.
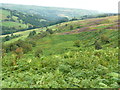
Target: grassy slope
{"type": "Point", "coordinates": [4, 14]}
{"type": "Point", "coordinates": [63, 65]}
{"type": "Point", "coordinates": [16, 24]}
{"type": "Point", "coordinates": [75, 24]}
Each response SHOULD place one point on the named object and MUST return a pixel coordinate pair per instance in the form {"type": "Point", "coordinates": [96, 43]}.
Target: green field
{"type": "Point", "coordinates": [14, 24]}
{"type": "Point", "coordinates": [65, 59]}
{"type": "Point", "coordinates": [4, 14]}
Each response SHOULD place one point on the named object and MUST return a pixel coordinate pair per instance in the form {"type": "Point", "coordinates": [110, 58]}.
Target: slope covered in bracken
{"type": "Point", "coordinates": [77, 54]}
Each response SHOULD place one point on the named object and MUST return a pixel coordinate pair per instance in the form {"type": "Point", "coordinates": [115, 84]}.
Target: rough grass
{"type": "Point", "coordinates": [14, 24]}
{"type": "Point", "coordinates": [4, 14]}
{"type": "Point", "coordinates": [64, 65]}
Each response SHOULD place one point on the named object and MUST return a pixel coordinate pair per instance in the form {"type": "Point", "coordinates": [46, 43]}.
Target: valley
{"type": "Point", "coordinates": [75, 53]}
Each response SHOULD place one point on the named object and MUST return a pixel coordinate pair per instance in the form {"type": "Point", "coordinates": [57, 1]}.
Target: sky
{"type": "Point", "coordinates": [99, 5]}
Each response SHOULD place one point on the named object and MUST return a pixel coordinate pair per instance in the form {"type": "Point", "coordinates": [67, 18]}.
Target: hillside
{"type": "Point", "coordinates": [75, 54]}
{"type": "Point", "coordinates": [78, 26]}
{"type": "Point", "coordinates": [14, 21]}
{"type": "Point", "coordinates": [16, 18]}
{"type": "Point", "coordinates": [51, 13]}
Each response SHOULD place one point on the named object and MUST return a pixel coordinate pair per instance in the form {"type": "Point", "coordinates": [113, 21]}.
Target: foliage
{"type": "Point", "coordinates": [7, 38]}
{"type": "Point", "coordinates": [20, 43]}
{"type": "Point", "coordinates": [54, 61]}
{"type": "Point", "coordinates": [104, 39]}
{"type": "Point", "coordinates": [77, 43]}
{"type": "Point", "coordinates": [19, 52]}
{"type": "Point", "coordinates": [39, 52]}
{"type": "Point", "coordinates": [71, 27]}
{"type": "Point", "coordinates": [97, 45]}
{"type": "Point", "coordinates": [49, 31]}
{"type": "Point", "coordinates": [32, 33]}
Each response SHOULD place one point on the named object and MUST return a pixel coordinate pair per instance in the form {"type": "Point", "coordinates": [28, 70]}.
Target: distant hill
{"type": "Point", "coordinates": [24, 17]}
{"type": "Point", "coordinates": [50, 12]}
{"type": "Point", "coordinates": [13, 21]}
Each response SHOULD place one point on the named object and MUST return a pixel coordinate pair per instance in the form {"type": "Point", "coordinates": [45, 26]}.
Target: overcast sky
{"type": "Point", "coordinates": [99, 5]}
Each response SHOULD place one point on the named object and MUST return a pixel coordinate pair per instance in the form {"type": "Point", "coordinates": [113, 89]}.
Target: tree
{"type": "Point", "coordinates": [12, 34]}
{"type": "Point", "coordinates": [49, 31]}
{"type": "Point", "coordinates": [66, 24]}
{"type": "Point", "coordinates": [30, 26]}
{"type": "Point", "coordinates": [32, 33]}
{"type": "Point", "coordinates": [73, 19]}
{"type": "Point", "coordinates": [8, 16]}
{"type": "Point", "coordinates": [7, 38]}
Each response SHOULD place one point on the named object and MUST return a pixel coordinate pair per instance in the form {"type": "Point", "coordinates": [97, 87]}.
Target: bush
{"type": "Point", "coordinates": [19, 52]}
{"type": "Point", "coordinates": [78, 26]}
{"type": "Point", "coordinates": [66, 24]}
{"type": "Point", "coordinates": [3, 52]}
{"type": "Point", "coordinates": [33, 43]}
{"type": "Point", "coordinates": [97, 45]}
{"type": "Point", "coordinates": [104, 39]}
{"type": "Point", "coordinates": [71, 27]}
{"type": "Point", "coordinates": [44, 34]}
{"type": "Point", "coordinates": [38, 53]}
{"type": "Point", "coordinates": [77, 43]}
{"type": "Point", "coordinates": [26, 46]}
{"type": "Point", "coordinates": [32, 33]}
{"type": "Point", "coordinates": [50, 31]}
{"type": "Point", "coordinates": [13, 47]}
{"type": "Point", "coordinates": [7, 38]}
{"type": "Point", "coordinates": [10, 47]}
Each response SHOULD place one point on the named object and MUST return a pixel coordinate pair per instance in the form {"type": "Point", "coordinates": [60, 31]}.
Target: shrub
{"type": "Point", "coordinates": [3, 52]}
{"type": "Point", "coordinates": [77, 43]}
{"type": "Point", "coordinates": [32, 33]}
{"type": "Point", "coordinates": [7, 38]}
{"type": "Point", "coordinates": [39, 52]}
{"type": "Point", "coordinates": [78, 26]}
{"type": "Point", "coordinates": [66, 24]}
{"type": "Point", "coordinates": [104, 39]}
{"type": "Point", "coordinates": [44, 34]}
{"type": "Point", "coordinates": [71, 27]}
{"type": "Point", "coordinates": [50, 31]}
{"type": "Point", "coordinates": [27, 47]}
{"type": "Point", "coordinates": [10, 47]}
{"type": "Point", "coordinates": [33, 43]}
{"type": "Point", "coordinates": [19, 52]}
{"type": "Point", "coordinates": [20, 43]}
{"type": "Point", "coordinates": [97, 45]}
{"type": "Point", "coordinates": [13, 47]}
